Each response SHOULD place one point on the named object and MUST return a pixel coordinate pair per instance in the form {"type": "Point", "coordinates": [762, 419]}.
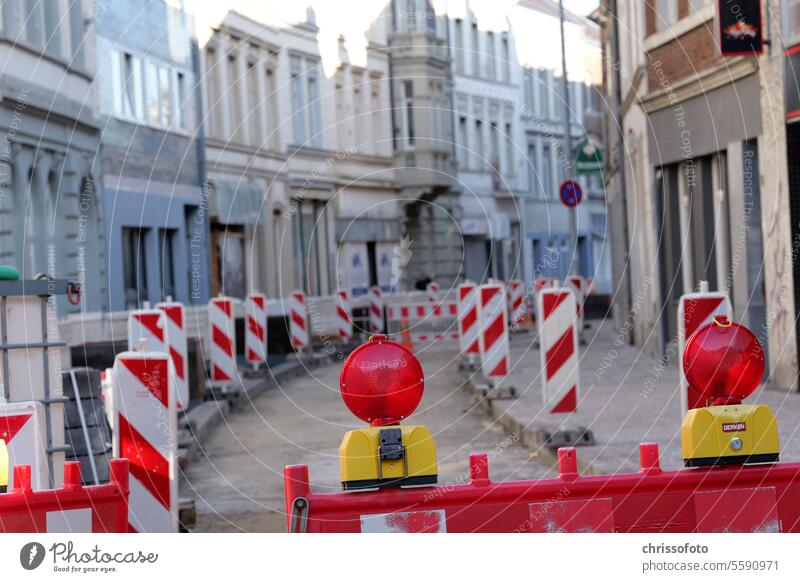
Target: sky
{"type": "Point", "coordinates": [582, 7]}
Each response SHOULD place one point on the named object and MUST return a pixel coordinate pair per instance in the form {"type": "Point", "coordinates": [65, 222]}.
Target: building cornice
{"type": "Point", "coordinates": [714, 78]}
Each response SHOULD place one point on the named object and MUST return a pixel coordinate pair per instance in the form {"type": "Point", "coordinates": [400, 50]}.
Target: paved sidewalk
{"type": "Point", "coordinates": [626, 398]}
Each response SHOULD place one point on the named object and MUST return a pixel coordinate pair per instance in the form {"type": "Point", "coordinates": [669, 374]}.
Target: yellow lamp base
{"type": "Point", "coordinates": [732, 434]}
{"type": "Point", "coordinates": [387, 456]}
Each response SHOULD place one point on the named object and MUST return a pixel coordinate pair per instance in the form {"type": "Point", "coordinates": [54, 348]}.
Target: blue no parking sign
{"type": "Point", "coordinates": [570, 193]}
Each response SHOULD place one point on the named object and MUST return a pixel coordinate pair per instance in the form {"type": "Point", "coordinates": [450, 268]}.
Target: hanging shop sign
{"type": "Point", "coordinates": [739, 28]}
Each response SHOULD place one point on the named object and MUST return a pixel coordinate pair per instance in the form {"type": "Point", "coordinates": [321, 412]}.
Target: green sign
{"type": "Point", "coordinates": [588, 158]}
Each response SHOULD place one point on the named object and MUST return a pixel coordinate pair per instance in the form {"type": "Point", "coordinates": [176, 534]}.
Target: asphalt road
{"type": "Point", "coordinates": [238, 483]}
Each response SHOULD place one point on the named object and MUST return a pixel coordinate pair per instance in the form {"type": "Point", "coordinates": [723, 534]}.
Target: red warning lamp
{"type": "Point", "coordinates": [381, 382]}
{"type": "Point", "coordinates": [724, 361]}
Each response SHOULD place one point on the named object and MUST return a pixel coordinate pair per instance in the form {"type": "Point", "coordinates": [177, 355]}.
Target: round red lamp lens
{"type": "Point", "coordinates": [381, 382]}
{"type": "Point", "coordinates": [724, 360]}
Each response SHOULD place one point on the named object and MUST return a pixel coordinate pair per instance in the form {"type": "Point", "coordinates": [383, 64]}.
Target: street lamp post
{"type": "Point", "coordinates": [572, 212]}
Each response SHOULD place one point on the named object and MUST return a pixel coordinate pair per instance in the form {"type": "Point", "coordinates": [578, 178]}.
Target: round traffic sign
{"type": "Point", "coordinates": [570, 193]}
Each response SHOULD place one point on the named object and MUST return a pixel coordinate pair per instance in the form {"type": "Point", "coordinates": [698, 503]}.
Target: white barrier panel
{"type": "Point", "coordinates": [468, 318]}
{"type": "Point", "coordinates": [148, 325]}
{"type": "Point", "coordinates": [298, 320]}
{"type": "Point", "coordinates": [694, 311]}
{"type": "Point", "coordinates": [255, 331]}
{"type": "Point", "coordinates": [516, 302]}
{"type": "Point", "coordinates": [222, 334]}
{"type": "Point", "coordinates": [146, 434]}
{"type": "Point", "coordinates": [22, 428]}
{"type": "Point", "coordinates": [558, 341]}
{"type": "Point", "coordinates": [178, 349]}
{"type": "Point", "coordinates": [344, 315]}
{"type": "Point", "coordinates": [375, 310]}
{"type": "Point", "coordinates": [493, 332]}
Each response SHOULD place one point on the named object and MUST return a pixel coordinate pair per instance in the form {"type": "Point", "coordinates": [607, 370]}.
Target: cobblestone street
{"type": "Point", "coordinates": [238, 484]}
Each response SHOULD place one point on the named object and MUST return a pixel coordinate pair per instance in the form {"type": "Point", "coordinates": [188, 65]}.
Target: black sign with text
{"type": "Point", "coordinates": [740, 27]}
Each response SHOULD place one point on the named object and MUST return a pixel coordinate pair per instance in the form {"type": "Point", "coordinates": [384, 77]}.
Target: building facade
{"type": "Point", "coordinates": [299, 149]}
{"type": "Point", "coordinates": [154, 203]}
{"type": "Point", "coordinates": [700, 173]}
{"type": "Point", "coordinates": [50, 215]}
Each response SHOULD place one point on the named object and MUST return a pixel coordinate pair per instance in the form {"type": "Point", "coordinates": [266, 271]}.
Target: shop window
{"type": "Point", "coordinates": [134, 266]}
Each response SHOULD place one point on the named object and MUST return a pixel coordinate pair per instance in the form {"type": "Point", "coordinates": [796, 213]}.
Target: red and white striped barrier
{"type": "Point", "coordinates": [578, 287]}
{"type": "Point", "coordinates": [255, 334]}
{"type": "Point", "coordinates": [147, 325]}
{"type": "Point", "coordinates": [493, 332]}
{"type": "Point", "coordinates": [70, 509]}
{"type": "Point", "coordinates": [147, 435]}
{"type": "Point", "coordinates": [22, 427]}
{"type": "Point", "coordinates": [516, 302]}
{"type": "Point", "coordinates": [222, 332]}
{"type": "Point", "coordinates": [298, 320]}
{"type": "Point", "coordinates": [468, 324]}
{"type": "Point", "coordinates": [178, 350]}
{"type": "Point", "coordinates": [590, 288]}
{"type": "Point", "coordinates": [376, 310]}
{"type": "Point", "coordinates": [694, 311]}
{"type": "Point", "coordinates": [432, 290]}
{"type": "Point", "coordinates": [344, 315]}
{"type": "Point", "coordinates": [558, 341]}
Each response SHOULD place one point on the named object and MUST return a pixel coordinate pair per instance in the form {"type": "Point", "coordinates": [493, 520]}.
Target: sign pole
{"type": "Point", "coordinates": [573, 212]}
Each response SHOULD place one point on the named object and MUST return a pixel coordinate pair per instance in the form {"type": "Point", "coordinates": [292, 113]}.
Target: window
{"type": "Point", "coordinates": [234, 101]}
{"type": "Point", "coordinates": [166, 249]}
{"type": "Point", "coordinates": [298, 121]}
{"type": "Point", "coordinates": [33, 22]}
{"type": "Point", "coordinates": [255, 122]}
{"type": "Point", "coordinates": [358, 108]}
{"type": "Point", "coordinates": [314, 121]}
{"type": "Point", "coordinates": [547, 171]}
{"type": "Point", "coordinates": [475, 48]}
{"type": "Point", "coordinates": [494, 150]}
{"type": "Point", "coordinates": [52, 29]}
{"type": "Point", "coordinates": [165, 94]}
{"type": "Point", "coordinates": [463, 150]}
{"type": "Point", "coordinates": [76, 32]}
{"type": "Point", "coordinates": [151, 92]}
{"type": "Point", "coordinates": [509, 170]}
{"type": "Point", "coordinates": [491, 57]}
{"type": "Point", "coordinates": [376, 113]}
{"type": "Point", "coordinates": [306, 122]}
{"type": "Point", "coordinates": [479, 151]}
{"type": "Point", "coordinates": [458, 32]}
{"type": "Point", "coordinates": [311, 238]}
{"type": "Point", "coordinates": [180, 97]}
{"type": "Point", "coordinates": [533, 179]}
{"type": "Point", "coordinates": [134, 267]}
{"type": "Point", "coordinates": [544, 95]}
{"type": "Point", "coordinates": [408, 93]}
{"type": "Point", "coordinates": [528, 84]}
{"type": "Point", "coordinates": [214, 113]}
{"type": "Point", "coordinates": [666, 13]}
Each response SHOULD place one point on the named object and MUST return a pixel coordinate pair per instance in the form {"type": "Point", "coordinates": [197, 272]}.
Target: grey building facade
{"type": "Point", "coordinates": [154, 202]}
{"type": "Point", "coordinates": [50, 217]}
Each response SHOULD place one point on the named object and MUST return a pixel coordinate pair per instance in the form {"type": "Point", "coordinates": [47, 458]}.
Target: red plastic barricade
{"type": "Point", "coordinates": [742, 498]}
{"type": "Point", "coordinates": [71, 509]}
